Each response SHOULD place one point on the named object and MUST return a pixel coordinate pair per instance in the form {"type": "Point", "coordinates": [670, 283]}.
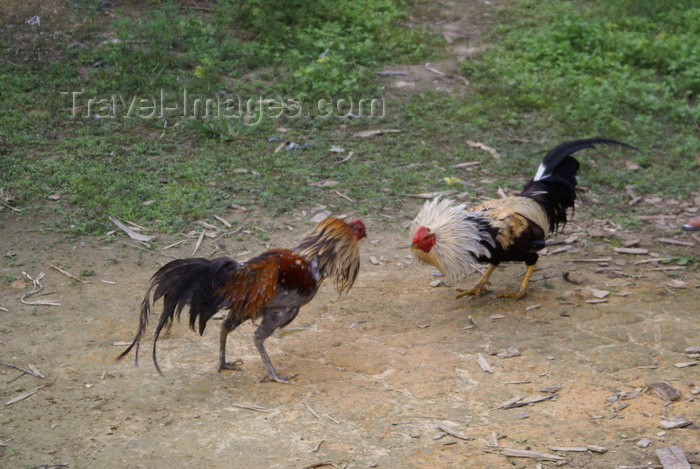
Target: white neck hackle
{"type": "Point", "coordinates": [459, 238]}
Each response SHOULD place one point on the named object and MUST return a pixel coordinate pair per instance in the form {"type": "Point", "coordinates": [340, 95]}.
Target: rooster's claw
{"type": "Point", "coordinates": [517, 295]}
{"type": "Point", "coordinates": [476, 291]}
{"type": "Point", "coordinates": [277, 378]}
{"type": "Point", "coordinates": [230, 365]}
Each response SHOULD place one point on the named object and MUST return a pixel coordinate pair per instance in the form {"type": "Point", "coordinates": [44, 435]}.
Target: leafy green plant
{"type": "Point", "coordinates": [7, 278]}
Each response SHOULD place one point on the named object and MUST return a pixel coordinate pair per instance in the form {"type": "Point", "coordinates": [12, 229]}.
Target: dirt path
{"type": "Point", "coordinates": [379, 367]}
{"type": "Point", "coordinates": [378, 370]}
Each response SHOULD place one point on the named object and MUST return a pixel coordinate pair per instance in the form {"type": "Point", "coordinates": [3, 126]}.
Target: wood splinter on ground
{"type": "Point", "coordinates": [441, 426]}
{"type": "Point", "coordinates": [313, 412]}
{"type": "Point", "coordinates": [483, 363]}
{"type": "Point", "coordinates": [34, 371]}
{"type": "Point", "coordinates": [25, 395]}
{"type": "Point", "coordinates": [518, 402]}
{"type": "Point", "coordinates": [67, 274]}
{"type": "Point", "coordinates": [254, 408]}
{"type": "Point", "coordinates": [521, 453]}
{"type": "Point", "coordinates": [672, 458]}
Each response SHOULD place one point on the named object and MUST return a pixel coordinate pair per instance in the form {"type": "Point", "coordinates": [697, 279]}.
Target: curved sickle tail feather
{"type": "Point", "coordinates": [554, 184]}
{"type": "Point", "coordinates": [195, 282]}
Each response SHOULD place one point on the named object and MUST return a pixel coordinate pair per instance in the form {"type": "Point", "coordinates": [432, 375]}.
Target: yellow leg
{"type": "Point", "coordinates": [523, 286]}
{"type": "Point", "coordinates": [478, 289]}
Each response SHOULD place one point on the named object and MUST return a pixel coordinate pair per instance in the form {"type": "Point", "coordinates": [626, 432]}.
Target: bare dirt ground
{"type": "Point", "coordinates": [378, 369]}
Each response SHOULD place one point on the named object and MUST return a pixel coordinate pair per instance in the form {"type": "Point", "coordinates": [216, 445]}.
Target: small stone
{"type": "Point", "coordinates": [675, 422]}
{"type": "Point", "coordinates": [644, 443]}
{"type": "Point", "coordinates": [665, 391]}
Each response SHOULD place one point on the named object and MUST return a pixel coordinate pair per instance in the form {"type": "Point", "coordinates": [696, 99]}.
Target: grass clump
{"type": "Point", "coordinates": [584, 71]}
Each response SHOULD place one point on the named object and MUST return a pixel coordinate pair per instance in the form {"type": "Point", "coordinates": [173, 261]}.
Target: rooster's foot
{"type": "Point", "coordinates": [476, 291]}
{"type": "Point", "coordinates": [517, 295]}
{"type": "Point", "coordinates": [279, 379]}
{"type": "Point", "coordinates": [230, 365]}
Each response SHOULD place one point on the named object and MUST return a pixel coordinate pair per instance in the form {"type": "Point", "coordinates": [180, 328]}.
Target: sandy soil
{"type": "Point", "coordinates": [378, 369]}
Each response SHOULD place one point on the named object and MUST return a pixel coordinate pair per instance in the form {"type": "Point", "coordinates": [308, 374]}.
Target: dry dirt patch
{"type": "Point", "coordinates": [377, 369]}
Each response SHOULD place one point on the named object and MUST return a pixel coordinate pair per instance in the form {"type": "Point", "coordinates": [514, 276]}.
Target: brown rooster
{"type": "Point", "coordinates": [270, 287]}
{"type": "Point", "coordinates": [455, 238]}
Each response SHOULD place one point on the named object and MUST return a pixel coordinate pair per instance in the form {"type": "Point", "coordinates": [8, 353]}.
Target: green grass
{"type": "Point", "coordinates": [559, 67]}
{"type": "Point", "coordinates": [6, 279]}
{"type": "Point", "coordinates": [535, 85]}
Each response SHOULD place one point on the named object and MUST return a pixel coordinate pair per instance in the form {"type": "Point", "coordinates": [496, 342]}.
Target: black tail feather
{"type": "Point", "coordinates": [194, 282]}
{"type": "Point", "coordinates": [554, 185]}
{"type": "Point", "coordinates": [557, 154]}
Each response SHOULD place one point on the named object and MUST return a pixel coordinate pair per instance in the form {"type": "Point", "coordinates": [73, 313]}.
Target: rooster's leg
{"type": "Point", "coordinates": [228, 325]}
{"type": "Point", "coordinates": [272, 320]}
{"type": "Point", "coordinates": [523, 286]}
{"type": "Point", "coordinates": [479, 288]}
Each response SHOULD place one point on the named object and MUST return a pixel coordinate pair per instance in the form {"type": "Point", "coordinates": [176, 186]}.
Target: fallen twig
{"type": "Point", "coordinates": [521, 453]}
{"type": "Point", "coordinates": [173, 244]}
{"type": "Point", "coordinates": [131, 233]}
{"type": "Point", "coordinates": [254, 408]}
{"type": "Point", "coordinates": [34, 372]}
{"type": "Point", "coordinates": [518, 402]}
{"type": "Point", "coordinates": [316, 448]}
{"type": "Point", "coordinates": [449, 431]}
{"type": "Point", "coordinates": [313, 412]}
{"type": "Point", "coordinates": [560, 250]}
{"type": "Point", "coordinates": [37, 288]}
{"type": "Point", "coordinates": [11, 207]}
{"type": "Point", "coordinates": [25, 395]}
{"type": "Point", "coordinates": [67, 274]}
{"type": "Point", "coordinates": [226, 224]}
{"type": "Point", "coordinates": [676, 242]}
{"type": "Point", "coordinates": [656, 259]}
{"type": "Point", "coordinates": [199, 241]}
{"type": "Point", "coordinates": [340, 194]}
{"type": "Point", "coordinates": [319, 464]}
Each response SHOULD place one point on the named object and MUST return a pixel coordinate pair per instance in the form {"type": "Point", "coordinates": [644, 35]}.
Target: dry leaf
{"type": "Point", "coordinates": [481, 146]}
{"type": "Point", "coordinates": [599, 293]}
{"type": "Point", "coordinates": [631, 165]}
{"type": "Point", "coordinates": [132, 234]}
{"type": "Point", "coordinates": [678, 284]}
